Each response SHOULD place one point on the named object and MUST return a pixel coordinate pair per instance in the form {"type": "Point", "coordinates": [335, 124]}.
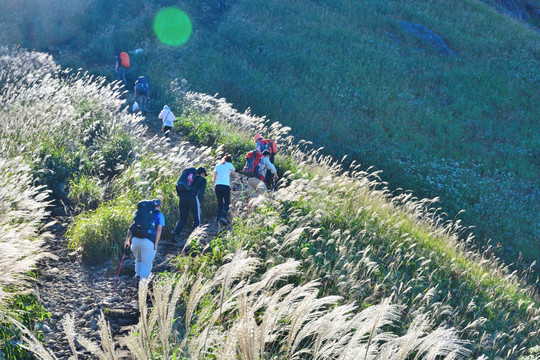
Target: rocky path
{"type": "Point", "coordinates": [68, 286]}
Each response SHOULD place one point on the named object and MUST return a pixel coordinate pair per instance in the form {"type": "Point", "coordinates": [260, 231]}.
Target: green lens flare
{"type": "Point", "coordinates": [172, 26]}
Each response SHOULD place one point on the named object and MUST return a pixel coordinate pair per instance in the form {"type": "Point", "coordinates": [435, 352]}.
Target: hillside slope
{"type": "Point", "coordinates": [462, 125]}
{"type": "Point", "coordinates": [454, 118]}
{"type": "Point", "coordinates": [328, 266]}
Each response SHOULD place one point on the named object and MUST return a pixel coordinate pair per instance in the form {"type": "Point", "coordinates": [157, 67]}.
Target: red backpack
{"type": "Point", "coordinates": [124, 59]}
{"type": "Point", "coordinates": [269, 145]}
{"type": "Point", "coordinates": [253, 165]}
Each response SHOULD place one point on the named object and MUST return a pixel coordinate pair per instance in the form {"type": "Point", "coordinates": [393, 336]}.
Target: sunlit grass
{"type": "Point", "coordinates": [332, 264]}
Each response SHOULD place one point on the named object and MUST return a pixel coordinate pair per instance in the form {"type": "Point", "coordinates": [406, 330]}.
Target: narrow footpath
{"type": "Point", "coordinates": [68, 286]}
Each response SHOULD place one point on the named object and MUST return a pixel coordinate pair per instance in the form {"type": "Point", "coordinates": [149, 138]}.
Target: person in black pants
{"type": "Point", "coordinates": [190, 201]}
{"type": "Point", "coordinates": [222, 187]}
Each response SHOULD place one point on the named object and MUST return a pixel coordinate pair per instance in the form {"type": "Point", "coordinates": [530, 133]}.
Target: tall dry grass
{"type": "Point", "coordinates": [365, 243]}
{"type": "Point", "coordinates": [263, 318]}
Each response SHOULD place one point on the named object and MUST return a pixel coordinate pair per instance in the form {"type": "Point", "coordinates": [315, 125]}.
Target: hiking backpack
{"type": "Point", "coordinates": [186, 179]}
{"type": "Point", "coordinates": [124, 59]}
{"type": "Point", "coordinates": [142, 86]}
{"type": "Point", "coordinates": [144, 224]}
{"type": "Point", "coordinates": [269, 145]}
{"type": "Point", "coordinates": [253, 165]}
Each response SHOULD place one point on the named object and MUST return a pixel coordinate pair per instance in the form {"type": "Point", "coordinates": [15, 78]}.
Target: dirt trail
{"type": "Point", "coordinates": [68, 286]}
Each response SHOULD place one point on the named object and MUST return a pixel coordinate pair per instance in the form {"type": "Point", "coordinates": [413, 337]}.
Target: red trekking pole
{"type": "Point", "coordinates": [118, 276]}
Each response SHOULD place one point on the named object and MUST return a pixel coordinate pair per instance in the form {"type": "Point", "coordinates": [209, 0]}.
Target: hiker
{"type": "Point", "coordinates": [144, 234]}
{"type": "Point", "coordinates": [270, 145]}
{"type": "Point", "coordinates": [266, 144]}
{"type": "Point", "coordinates": [222, 187]}
{"type": "Point", "coordinates": [141, 93]}
{"type": "Point", "coordinates": [122, 64]}
{"type": "Point", "coordinates": [190, 189]}
{"type": "Point", "coordinates": [167, 116]}
{"type": "Point", "coordinates": [256, 181]}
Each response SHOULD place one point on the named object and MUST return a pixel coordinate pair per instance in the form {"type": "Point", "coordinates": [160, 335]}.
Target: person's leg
{"type": "Point", "coordinates": [183, 209]}
{"type": "Point", "coordinates": [227, 201]}
{"type": "Point", "coordinates": [166, 130]}
{"type": "Point", "coordinates": [136, 250]}
{"type": "Point", "coordinates": [196, 211]}
{"type": "Point", "coordinates": [147, 258]}
{"type": "Point", "coordinates": [220, 200]}
{"type": "Point", "coordinates": [268, 179]}
{"type": "Point", "coordinates": [122, 74]}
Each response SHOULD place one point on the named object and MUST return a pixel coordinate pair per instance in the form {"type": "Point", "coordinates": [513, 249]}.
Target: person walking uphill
{"type": "Point", "coordinates": [144, 234]}
{"type": "Point", "coordinates": [167, 116]}
{"type": "Point", "coordinates": [190, 189]}
{"type": "Point", "coordinates": [122, 64]}
{"type": "Point", "coordinates": [257, 169]}
{"type": "Point", "coordinates": [222, 187]}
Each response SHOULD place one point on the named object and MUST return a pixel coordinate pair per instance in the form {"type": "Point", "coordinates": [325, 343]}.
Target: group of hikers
{"type": "Point", "coordinates": [146, 230]}
{"type": "Point", "coordinates": [141, 90]}
{"type": "Point", "coordinates": [141, 93]}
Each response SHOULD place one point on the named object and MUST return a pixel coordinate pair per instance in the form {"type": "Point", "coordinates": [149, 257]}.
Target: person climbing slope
{"type": "Point", "coordinates": [141, 93]}
{"type": "Point", "coordinates": [270, 145]}
{"type": "Point", "coordinates": [190, 189]}
{"type": "Point", "coordinates": [144, 234]}
{"type": "Point", "coordinates": [122, 64]}
{"type": "Point", "coordinates": [222, 187]}
{"type": "Point", "coordinates": [168, 118]}
{"type": "Point", "coordinates": [257, 166]}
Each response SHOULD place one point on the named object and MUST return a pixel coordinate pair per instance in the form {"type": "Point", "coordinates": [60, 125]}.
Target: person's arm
{"type": "Point", "coordinates": [271, 166]}
{"type": "Point", "coordinates": [160, 116]}
{"type": "Point", "coordinates": [135, 93]}
{"type": "Point", "coordinates": [128, 239]}
{"type": "Point", "coordinates": [214, 179]}
{"type": "Point", "coordinates": [159, 229]}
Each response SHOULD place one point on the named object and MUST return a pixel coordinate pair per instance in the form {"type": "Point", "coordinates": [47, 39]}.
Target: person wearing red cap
{"type": "Point", "coordinates": [258, 140]}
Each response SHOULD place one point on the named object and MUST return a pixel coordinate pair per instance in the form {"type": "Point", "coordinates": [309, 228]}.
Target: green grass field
{"type": "Point", "coordinates": [327, 249]}
{"type": "Point", "coordinates": [345, 75]}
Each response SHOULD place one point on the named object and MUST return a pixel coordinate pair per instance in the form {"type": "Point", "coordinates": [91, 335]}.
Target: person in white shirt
{"type": "Point", "coordinates": [257, 186]}
{"type": "Point", "coordinates": [167, 116]}
{"type": "Point", "coordinates": [222, 187]}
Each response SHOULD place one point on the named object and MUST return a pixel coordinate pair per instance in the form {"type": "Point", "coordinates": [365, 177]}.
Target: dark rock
{"type": "Point", "coordinates": [428, 36]}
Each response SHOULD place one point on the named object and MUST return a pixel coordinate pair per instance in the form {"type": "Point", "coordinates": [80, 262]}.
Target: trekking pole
{"type": "Point", "coordinates": [242, 187]}
{"type": "Point", "coordinates": [119, 269]}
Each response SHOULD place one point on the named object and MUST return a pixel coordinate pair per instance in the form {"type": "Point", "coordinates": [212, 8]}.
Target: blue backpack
{"type": "Point", "coordinates": [144, 224]}
{"type": "Point", "coordinates": [142, 86]}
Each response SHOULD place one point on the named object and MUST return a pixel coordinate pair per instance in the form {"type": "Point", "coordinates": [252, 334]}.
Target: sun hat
{"type": "Point", "coordinates": [257, 137]}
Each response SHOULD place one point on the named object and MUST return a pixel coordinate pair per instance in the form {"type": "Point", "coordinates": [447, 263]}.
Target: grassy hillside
{"type": "Point", "coordinates": [329, 266]}
{"type": "Point", "coordinates": [346, 75]}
